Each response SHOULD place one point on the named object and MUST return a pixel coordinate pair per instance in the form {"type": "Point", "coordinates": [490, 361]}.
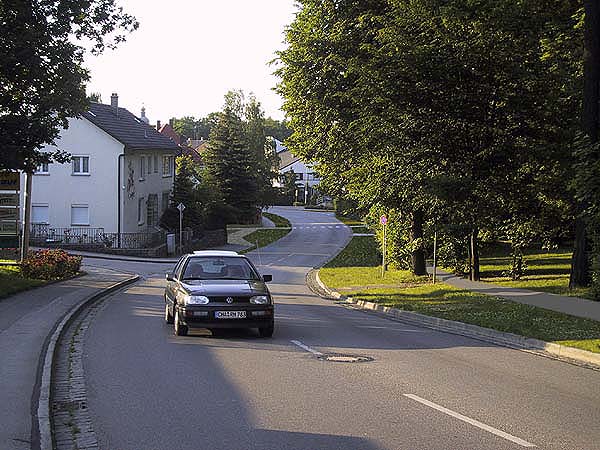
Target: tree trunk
{"type": "Point", "coordinates": [580, 266]}
{"type": "Point", "coordinates": [474, 252]}
{"type": "Point", "coordinates": [418, 254]}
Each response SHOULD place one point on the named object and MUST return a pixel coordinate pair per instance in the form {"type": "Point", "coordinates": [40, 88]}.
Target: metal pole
{"type": "Point", "coordinates": [180, 231]}
{"type": "Point", "coordinates": [384, 248]}
{"type": "Point", "coordinates": [434, 255]}
{"type": "Point", "coordinates": [26, 217]}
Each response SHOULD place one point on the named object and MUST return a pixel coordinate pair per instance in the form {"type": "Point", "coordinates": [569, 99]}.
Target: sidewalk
{"type": "Point", "coordinates": [26, 321]}
{"type": "Point", "coordinates": [574, 306]}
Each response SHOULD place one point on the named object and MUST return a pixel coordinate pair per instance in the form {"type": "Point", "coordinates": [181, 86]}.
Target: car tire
{"type": "Point", "coordinates": [168, 315]}
{"type": "Point", "coordinates": [180, 329]}
{"type": "Point", "coordinates": [266, 332]}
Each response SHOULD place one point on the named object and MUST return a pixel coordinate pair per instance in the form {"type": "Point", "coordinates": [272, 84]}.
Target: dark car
{"type": "Point", "coordinates": [218, 289]}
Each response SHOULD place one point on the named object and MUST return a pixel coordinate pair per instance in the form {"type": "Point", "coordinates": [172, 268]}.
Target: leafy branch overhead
{"type": "Point", "coordinates": [42, 45]}
{"type": "Point", "coordinates": [445, 112]}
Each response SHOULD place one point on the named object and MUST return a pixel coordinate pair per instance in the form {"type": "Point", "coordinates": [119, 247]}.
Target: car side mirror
{"type": "Point", "coordinates": [169, 277]}
{"type": "Point", "coordinates": [267, 278]}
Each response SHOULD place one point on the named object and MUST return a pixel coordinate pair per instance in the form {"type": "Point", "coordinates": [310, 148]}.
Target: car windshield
{"type": "Point", "coordinates": [219, 268]}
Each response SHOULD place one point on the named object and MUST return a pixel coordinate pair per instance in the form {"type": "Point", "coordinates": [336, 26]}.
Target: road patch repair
{"type": "Point", "coordinates": [333, 357]}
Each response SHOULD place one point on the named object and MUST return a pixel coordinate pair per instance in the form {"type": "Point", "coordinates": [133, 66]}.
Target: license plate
{"type": "Point", "coordinates": [230, 314]}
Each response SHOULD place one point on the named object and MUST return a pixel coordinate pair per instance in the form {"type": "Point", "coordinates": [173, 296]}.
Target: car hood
{"type": "Point", "coordinates": [226, 287]}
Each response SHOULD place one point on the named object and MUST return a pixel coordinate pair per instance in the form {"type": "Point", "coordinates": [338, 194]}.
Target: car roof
{"type": "Point", "coordinates": [214, 253]}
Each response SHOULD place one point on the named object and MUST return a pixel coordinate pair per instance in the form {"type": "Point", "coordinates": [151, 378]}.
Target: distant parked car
{"type": "Point", "coordinates": [218, 289]}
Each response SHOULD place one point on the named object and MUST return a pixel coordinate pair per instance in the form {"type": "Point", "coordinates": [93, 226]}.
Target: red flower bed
{"type": "Point", "coordinates": [50, 265]}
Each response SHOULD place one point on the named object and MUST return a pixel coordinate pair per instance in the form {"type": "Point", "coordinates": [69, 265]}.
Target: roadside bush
{"type": "Point", "coordinates": [50, 265]}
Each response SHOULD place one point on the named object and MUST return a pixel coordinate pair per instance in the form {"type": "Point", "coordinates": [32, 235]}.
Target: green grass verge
{"type": "Point", "coordinates": [11, 281]}
{"type": "Point", "coordinates": [264, 237]}
{"type": "Point", "coordinates": [277, 220]}
{"type": "Point", "coordinates": [361, 230]}
{"type": "Point", "coordinates": [360, 252]}
{"type": "Point", "coordinates": [348, 220]}
{"type": "Point", "coordinates": [546, 272]}
{"type": "Point", "coordinates": [400, 289]}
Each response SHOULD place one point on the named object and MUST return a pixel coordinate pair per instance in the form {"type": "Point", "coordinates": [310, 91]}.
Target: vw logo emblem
{"type": "Point", "coordinates": [229, 299]}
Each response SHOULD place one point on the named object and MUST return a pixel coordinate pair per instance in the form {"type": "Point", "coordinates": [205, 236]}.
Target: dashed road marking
{"type": "Point", "coordinates": [475, 423]}
{"type": "Point", "coordinates": [307, 348]}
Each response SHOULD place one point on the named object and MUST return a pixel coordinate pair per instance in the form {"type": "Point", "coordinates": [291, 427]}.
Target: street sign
{"type": "Point", "coordinates": [383, 220]}
{"type": "Point", "coordinates": [9, 199]}
{"type": "Point", "coordinates": [10, 181]}
{"type": "Point", "coordinates": [181, 207]}
{"type": "Point", "coordinates": [9, 214]}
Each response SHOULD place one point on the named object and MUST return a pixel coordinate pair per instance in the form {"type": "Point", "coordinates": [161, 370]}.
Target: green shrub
{"type": "Point", "coordinates": [50, 265]}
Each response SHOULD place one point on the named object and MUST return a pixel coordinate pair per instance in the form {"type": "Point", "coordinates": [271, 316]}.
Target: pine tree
{"type": "Point", "coordinates": [263, 151]}
{"type": "Point", "coordinates": [231, 163]}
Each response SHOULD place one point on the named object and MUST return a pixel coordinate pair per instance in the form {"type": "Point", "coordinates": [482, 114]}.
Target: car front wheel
{"type": "Point", "coordinates": [267, 331]}
{"type": "Point", "coordinates": [180, 329]}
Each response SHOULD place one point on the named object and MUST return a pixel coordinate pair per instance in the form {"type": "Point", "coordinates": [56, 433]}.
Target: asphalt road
{"type": "Point", "coordinates": [148, 389]}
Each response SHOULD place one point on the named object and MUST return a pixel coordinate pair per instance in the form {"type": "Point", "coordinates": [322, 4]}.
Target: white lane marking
{"type": "Point", "coordinates": [307, 348]}
{"type": "Point", "coordinates": [475, 423]}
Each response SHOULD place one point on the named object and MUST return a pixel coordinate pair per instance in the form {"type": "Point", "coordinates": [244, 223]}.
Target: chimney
{"type": "Point", "coordinates": [171, 122]}
{"type": "Point", "coordinates": [158, 125]}
{"type": "Point", "coordinates": [114, 101]}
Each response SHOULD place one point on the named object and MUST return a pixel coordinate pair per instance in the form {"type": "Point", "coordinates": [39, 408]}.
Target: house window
{"type": "Point", "coordinates": [165, 200]}
{"type": "Point", "coordinates": [39, 214]}
{"type": "Point", "coordinates": [142, 167]}
{"type": "Point", "coordinates": [167, 166]}
{"type": "Point", "coordinates": [149, 165]}
{"type": "Point", "coordinates": [141, 211]}
{"type": "Point", "coordinates": [152, 210]}
{"type": "Point", "coordinates": [80, 215]}
{"type": "Point", "coordinates": [299, 176]}
{"type": "Point", "coordinates": [81, 165]}
{"type": "Point", "coordinates": [155, 163]}
{"type": "Point", "coordinates": [42, 169]}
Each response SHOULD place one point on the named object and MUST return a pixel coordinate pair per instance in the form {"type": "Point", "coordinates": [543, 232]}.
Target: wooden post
{"type": "Point", "coordinates": [26, 217]}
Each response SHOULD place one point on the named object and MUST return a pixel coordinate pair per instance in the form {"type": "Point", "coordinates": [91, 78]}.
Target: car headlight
{"type": "Point", "coordinates": [194, 299]}
{"type": "Point", "coordinates": [260, 300]}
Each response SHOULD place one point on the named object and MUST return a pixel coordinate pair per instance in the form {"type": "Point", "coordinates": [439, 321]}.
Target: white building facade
{"type": "Point", "coordinates": [119, 177]}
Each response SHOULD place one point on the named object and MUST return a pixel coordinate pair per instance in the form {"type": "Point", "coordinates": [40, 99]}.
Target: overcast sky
{"type": "Point", "coordinates": [187, 54]}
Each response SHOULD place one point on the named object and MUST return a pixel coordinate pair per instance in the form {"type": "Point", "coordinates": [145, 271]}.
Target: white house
{"type": "Point", "coordinates": [305, 174]}
{"type": "Point", "coordinates": [119, 178]}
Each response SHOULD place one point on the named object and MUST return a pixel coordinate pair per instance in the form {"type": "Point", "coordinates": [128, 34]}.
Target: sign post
{"type": "Point", "coordinates": [181, 207]}
{"type": "Point", "coordinates": [383, 220]}
{"type": "Point", "coordinates": [10, 185]}
{"type": "Point", "coordinates": [434, 255]}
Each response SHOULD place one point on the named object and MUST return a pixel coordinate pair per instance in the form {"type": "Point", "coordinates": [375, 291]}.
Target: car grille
{"type": "Point", "coordinates": [224, 299]}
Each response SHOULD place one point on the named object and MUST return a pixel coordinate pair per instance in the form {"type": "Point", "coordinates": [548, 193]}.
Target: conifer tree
{"type": "Point", "coordinates": [231, 163]}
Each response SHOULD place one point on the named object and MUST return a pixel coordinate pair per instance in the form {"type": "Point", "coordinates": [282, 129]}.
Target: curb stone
{"type": "Point", "coordinates": [43, 409]}
{"type": "Point", "coordinates": [511, 340]}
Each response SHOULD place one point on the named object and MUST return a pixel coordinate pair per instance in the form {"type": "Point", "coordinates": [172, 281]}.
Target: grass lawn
{"type": "Point", "coordinates": [400, 289]}
{"type": "Point", "coordinates": [361, 230]}
{"type": "Point", "coordinates": [277, 220]}
{"type": "Point", "coordinates": [264, 237]}
{"type": "Point", "coordinates": [348, 220]}
{"type": "Point", "coordinates": [11, 281]}
{"type": "Point", "coordinates": [547, 272]}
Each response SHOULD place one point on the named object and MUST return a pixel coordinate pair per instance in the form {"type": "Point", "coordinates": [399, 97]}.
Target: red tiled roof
{"type": "Point", "coordinates": [168, 131]}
